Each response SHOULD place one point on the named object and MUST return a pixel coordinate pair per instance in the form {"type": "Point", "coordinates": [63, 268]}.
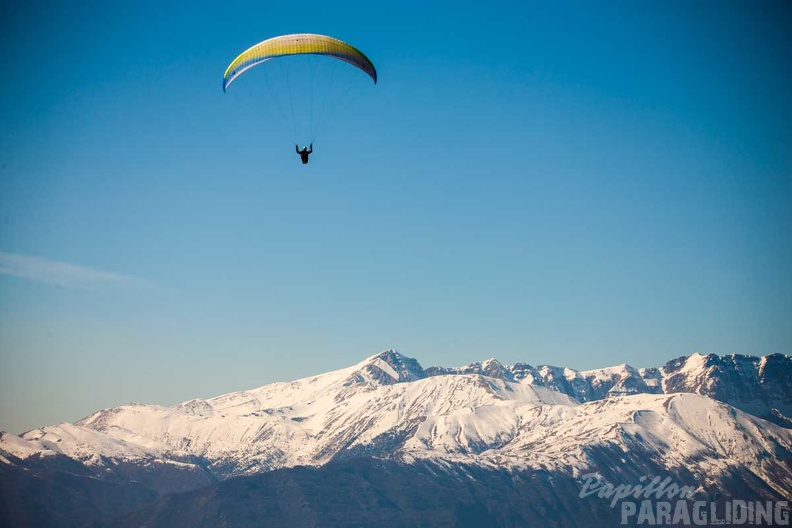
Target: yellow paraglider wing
{"type": "Point", "coordinates": [298, 44]}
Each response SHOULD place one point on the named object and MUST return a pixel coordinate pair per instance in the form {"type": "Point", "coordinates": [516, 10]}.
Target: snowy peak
{"type": "Point", "coordinates": [386, 368]}
{"type": "Point", "coordinates": [775, 376]}
{"type": "Point", "coordinates": [566, 380]}
{"type": "Point", "coordinates": [621, 380]}
{"type": "Point", "coordinates": [491, 368]}
{"type": "Point", "coordinates": [582, 385]}
{"type": "Point", "coordinates": [761, 386]}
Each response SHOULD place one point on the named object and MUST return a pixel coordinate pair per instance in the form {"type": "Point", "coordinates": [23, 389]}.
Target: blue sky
{"type": "Point", "coordinates": [569, 184]}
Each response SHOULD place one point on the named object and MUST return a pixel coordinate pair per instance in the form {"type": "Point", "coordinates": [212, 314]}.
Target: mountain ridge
{"type": "Point", "coordinates": [496, 418]}
{"type": "Point", "coordinates": [760, 385]}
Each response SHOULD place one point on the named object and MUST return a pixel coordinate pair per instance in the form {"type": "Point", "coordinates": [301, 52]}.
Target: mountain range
{"type": "Point", "coordinates": [386, 442]}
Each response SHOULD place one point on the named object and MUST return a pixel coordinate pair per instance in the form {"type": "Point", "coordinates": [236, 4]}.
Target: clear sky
{"type": "Point", "coordinates": [559, 183]}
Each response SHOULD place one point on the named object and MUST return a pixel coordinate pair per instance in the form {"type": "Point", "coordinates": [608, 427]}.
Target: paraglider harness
{"type": "Point", "coordinates": [303, 153]}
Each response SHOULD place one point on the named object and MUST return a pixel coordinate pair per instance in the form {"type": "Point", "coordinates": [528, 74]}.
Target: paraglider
{"type": "Point", "coordinates": [295, 45]}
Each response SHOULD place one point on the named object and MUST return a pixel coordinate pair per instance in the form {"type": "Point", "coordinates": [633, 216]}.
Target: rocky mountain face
{"type": "Point", "coordinates": [385, 423]}
{"type": "Point", "coordinates": [760, 386]}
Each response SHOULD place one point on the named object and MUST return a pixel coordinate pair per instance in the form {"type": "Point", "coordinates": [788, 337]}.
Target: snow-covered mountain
{"type": "Point", "coordinates": [376, 406]}
{"type": "Point", "coordinates": [760, 386]}
{"type": "Point", "coordinates": [485, 415]}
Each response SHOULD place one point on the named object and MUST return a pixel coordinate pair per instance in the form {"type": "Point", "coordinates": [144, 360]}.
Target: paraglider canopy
{"type": "Point", "coordinates": [308, 82]}
{"type": "Point", "coordinates": [297, 44]}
